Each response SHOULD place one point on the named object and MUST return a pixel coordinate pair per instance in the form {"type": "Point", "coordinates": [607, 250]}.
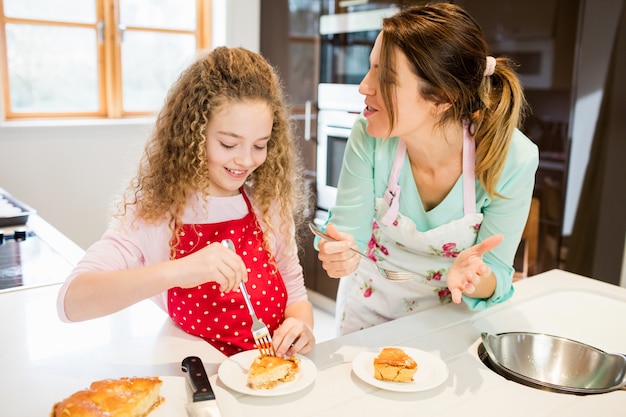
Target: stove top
{"type": "Point", "coordinates": [27, 260]}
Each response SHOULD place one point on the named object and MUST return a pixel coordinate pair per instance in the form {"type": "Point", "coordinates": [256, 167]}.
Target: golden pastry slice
{"type": "Point", "coordinates": [393, 364]}
{"type": "Point", "coordinates": [124, 397]}
{"type": "Point", "coordinates": [266, 371]}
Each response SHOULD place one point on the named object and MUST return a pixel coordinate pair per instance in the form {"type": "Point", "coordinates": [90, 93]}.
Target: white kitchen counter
{"type": "Point", "coordinates": [43, 360]}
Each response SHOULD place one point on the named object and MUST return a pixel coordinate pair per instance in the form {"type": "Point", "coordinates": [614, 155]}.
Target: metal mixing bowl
{"type": "Point", "coordinates": [556, 363]}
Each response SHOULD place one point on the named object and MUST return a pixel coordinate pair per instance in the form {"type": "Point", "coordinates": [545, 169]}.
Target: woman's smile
{"type": "Point", "coordinates": [369, 110]}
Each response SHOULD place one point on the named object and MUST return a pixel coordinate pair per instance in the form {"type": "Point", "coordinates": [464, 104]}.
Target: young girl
{"type": "Point", "coordinates": [437, 179]}
{"type": "Point", "coordinates": [221, 164]}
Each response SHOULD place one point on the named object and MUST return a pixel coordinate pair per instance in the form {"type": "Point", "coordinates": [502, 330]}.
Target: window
{"type": "Point", "coordinates": [95, 58]}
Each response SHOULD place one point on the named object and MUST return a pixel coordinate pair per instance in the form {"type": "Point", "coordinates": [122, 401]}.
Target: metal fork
{"type": "Point", "coordinates": [387, 273]}
{"type": "Point", "coordinates": [260, 332]}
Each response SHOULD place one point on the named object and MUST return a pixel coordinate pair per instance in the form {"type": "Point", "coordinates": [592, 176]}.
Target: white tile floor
{"type": "Point", "coordinates": [324, 316]}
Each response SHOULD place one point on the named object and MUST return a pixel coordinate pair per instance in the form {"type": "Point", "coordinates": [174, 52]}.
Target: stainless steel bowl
{"type": "Point", "coordinates": [555, 363]}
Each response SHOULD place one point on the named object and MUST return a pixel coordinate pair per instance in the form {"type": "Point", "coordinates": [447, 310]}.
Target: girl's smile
{"type": "Point", "coordinates": [237, 138]}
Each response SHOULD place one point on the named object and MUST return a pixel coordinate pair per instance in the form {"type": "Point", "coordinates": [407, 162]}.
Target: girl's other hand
{"type": "Point", "coordinates": [336, 257]}
{"type": "Point", "coordinates": [469, 274]}
{"type": "Point", "coordinates": [293, 336]}
{"type": "Point", "coordinates": [214, 263]}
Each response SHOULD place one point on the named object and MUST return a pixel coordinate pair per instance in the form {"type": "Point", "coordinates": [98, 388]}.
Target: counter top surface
{"type": "Point", "coordinates": [43, 360]}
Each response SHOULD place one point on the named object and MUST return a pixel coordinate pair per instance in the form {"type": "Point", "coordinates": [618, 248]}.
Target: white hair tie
{"type": "Point", "coordinates": [491, 66]}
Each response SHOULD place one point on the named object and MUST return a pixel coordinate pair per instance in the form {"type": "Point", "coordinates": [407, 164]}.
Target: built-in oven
{"type": "Point", "coordinates": [346, 42]}
{"type": "Point", "coordinates": [333, 131]}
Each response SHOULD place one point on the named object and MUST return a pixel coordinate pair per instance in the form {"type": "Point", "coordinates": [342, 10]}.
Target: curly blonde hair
{"type": "Point", "coordinates": [448, 52]}
{"type": "Point", "coordinates": [174, 163]}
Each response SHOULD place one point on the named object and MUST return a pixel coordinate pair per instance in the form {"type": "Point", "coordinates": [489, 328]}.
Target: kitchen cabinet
{"type": "Point", "coordinates": [511, 19]}
{"type": "Point", "coordinates": [522, 23]}
{"type": "Point", "coordinates": [293, 48]}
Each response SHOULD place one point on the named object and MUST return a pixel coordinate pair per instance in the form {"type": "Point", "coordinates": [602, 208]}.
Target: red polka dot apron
{"type": "Point", "coordinates": [365, 298]}
{"type": "Point", "coordinates": [223, 319]}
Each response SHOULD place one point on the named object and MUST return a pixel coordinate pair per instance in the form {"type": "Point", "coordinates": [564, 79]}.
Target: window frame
{"type": "Point", "coordinates": [108, 29]}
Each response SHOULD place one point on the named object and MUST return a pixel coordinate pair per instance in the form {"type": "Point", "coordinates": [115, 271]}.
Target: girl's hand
{"type": "Point", "coordinates": [336, 257]}
{"type": "Point", "coordinates": [214, 263]}
{"type": "Point", "coordinates": [469, 274]}
{"type": "Point", "coordinates": [293, 336]}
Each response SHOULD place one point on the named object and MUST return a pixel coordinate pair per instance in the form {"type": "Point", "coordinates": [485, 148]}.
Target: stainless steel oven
{"type": "Point", "coordinates": [346, 42]}
{"type": "Point", "coordinates": [332, 135]}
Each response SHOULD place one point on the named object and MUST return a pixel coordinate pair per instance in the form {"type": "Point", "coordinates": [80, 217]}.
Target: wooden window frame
{"type": "Point", "coordinates": [109, 65]}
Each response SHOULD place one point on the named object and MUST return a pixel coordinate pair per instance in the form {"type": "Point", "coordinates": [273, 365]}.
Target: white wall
{"type": "Point", "coordinates": [237, 23]}
{"type": "Point", "coordinates": [70, 173]}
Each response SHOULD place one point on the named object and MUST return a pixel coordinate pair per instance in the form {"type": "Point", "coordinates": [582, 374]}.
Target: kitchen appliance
{"type": "Point", "coordinates": [553, 363]}
{"type": "Point", "coordinates": [332, 136]}
{"type": "Point", "coordinates": [25, 258]}
{"type": "Point", "coordinates": [12, 211]}
{"type": "Point", "coordinates": [346, 42]}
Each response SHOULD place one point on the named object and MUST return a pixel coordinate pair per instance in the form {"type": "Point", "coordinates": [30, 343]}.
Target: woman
{"type": "Point", "coordinates": [221, 164]}
{"type": "Point", "coordinates": [437, 179]}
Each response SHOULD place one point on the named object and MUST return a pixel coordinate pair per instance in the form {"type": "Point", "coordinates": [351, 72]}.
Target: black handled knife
{"type": "Point", "coordinates": [204, 403]}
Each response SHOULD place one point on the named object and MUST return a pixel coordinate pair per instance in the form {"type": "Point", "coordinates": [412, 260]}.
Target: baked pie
{"type": "Point", "coordinates": [123, 397]}
{"type": "Point", "coordinates": [266, 371]}
{"type": "Point", "coordinates": [393, 364]}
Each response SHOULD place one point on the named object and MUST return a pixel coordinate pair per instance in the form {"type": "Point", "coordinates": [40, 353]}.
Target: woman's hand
{"type": "Point", "coordinates": [336, 257]}
{"type": "Point", "coordinates": [470, 275]}
{"type": "Point", "coordinates": [214, 263]}
{"type": "Point", "coordinates": [293, 336]}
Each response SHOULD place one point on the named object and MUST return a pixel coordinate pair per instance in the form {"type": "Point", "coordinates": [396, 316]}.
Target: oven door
{"type": "Point", "coordinates": [334, 128]}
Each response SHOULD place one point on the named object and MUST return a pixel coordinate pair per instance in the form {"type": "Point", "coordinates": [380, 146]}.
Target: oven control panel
{"type": "Point", "coordinates": [18, 234]}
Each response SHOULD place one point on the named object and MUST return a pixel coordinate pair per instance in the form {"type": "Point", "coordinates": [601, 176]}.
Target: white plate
{"type": "Point", "coordinates": [431, 371]}
{"type": "Point", "coordinates": [233, 372]}
{"type": "Point", "coordinates": [177, 393]}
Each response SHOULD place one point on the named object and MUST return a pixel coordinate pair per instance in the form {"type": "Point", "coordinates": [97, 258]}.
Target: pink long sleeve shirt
{"type": "Point", "coordinates": [130, 242]}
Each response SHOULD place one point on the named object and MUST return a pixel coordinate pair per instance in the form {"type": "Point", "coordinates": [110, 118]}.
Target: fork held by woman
{"type": "Point", "coordinates": [389, 274]}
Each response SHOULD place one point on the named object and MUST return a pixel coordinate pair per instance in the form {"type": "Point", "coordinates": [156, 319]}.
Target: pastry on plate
{"type": "Point", "coordinates": [266, 371]}
{"type": "Point", "coordinates": [128, 397]}
{"type": "Point", "coordinates": [393, 364]}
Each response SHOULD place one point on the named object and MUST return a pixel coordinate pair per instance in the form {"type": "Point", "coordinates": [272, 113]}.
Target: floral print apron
{"type": "Point", "coordinates": [365, 298]}
{"type": "Point", "coordinates": [223, 319]}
